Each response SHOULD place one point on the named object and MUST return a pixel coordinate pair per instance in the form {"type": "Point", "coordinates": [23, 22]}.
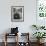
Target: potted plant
{"type": "Point", "coordinates": [39, 35]}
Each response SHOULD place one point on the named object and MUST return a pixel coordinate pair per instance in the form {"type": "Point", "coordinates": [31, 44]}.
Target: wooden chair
{"type": "Point", "coordinates": [8, 34]}
{"type": "Point", "coordinates": [25, 36]}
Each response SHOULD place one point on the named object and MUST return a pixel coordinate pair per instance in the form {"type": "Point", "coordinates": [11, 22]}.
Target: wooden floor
{"type": "Point", "coordinates": [13, 44]}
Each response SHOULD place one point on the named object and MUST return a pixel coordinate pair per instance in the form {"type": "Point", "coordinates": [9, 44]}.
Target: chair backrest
{"type": "Point", "coordinates": [24, 37]}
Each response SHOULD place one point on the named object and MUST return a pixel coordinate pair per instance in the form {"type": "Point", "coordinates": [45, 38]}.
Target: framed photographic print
{"type": "Point", "coordinates": [17, 13]}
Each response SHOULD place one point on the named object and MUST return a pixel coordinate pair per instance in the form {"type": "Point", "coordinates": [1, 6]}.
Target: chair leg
{"type": "Point", "coordinates": [5, 40]}
{"type": "Point", "coordinates": [5, 43]}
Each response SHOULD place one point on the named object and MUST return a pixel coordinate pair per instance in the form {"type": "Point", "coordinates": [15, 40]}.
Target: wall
{"type": "Point", "coordinates": [29, 15]}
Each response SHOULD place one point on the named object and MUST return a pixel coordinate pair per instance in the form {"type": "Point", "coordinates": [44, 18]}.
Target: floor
{"type": "Point", "coordinates": [13, 44]}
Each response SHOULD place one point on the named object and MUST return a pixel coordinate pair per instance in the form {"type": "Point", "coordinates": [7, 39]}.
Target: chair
{"type": "Point", "coordinates": [14, 32]}
{"type": "Point", "coordinates": [8, 35]}
{"type": "Point", "coordinates": [25, 37]}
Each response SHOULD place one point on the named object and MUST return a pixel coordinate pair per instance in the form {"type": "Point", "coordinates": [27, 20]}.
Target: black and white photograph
{"type": "Point", "coordinates": [17, 13]}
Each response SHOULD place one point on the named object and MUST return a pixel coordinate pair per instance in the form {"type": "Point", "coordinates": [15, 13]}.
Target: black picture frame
{"type": "Point", "coordinates": [17, 13]}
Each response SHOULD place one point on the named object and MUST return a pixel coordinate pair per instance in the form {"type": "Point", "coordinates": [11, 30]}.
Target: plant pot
{"type": "Point", "coordinates": [40, 40]}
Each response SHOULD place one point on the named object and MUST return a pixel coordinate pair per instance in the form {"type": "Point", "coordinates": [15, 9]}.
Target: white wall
{"type": "Point", "coordinates": [29, 15]}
